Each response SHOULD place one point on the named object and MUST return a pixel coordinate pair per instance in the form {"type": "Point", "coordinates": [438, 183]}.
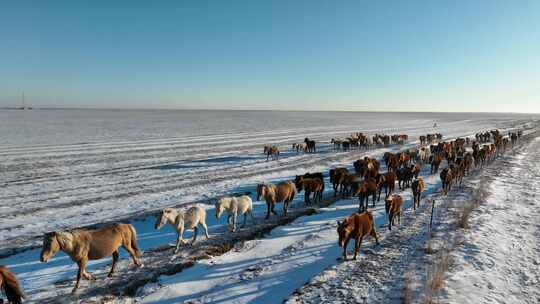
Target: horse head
{"type": "Point", "coordinates": [51, 245]}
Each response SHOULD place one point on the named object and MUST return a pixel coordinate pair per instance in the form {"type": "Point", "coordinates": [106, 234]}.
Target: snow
{"type": "Point", "coordinates": [498, 260]}
{"type": "Point", "coordinates": [124, 169]}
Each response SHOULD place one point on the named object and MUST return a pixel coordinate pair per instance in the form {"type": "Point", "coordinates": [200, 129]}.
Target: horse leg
{"type": "Point", "coordinates": [373, 233]}
{"type": "Point", "coordinates": [245, 219]}
{"type": "Point", "coordinates": [390, 220]}
{"type": "Point", "coordinates": [357, 244]}
{"type": "Point", "coordinates": [285, 206]}
{"type": "Point", "coordinates": [205, 227]}
{"type": "Point", "coordinates": [252, 217]}
{"type": "Point", "coordinates": [267, 210]}
{"type": "Point", "coordinates": [273, 208]}
{"type": "Point", "coordinates": [115, 257]}
{"type": "Point", "coordinates": [374, 194]}
{"type": "Point", "coordinates": [80, 273]}
{"type": "Point", "coordinates": [345, 249]}
{"type": "Point", "coordinates": [234, 222]}
{"type": "Point", "coordinates": [179, 240]}
{"type": "Point", "coordinates": [195, 230]}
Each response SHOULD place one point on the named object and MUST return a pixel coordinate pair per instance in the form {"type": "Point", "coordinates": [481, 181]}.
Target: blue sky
{"type": "Point", "coordinates": [303, 55]}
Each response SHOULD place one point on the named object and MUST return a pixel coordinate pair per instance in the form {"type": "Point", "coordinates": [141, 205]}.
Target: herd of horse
{"type": "Point", "coordinates": [365, 180]}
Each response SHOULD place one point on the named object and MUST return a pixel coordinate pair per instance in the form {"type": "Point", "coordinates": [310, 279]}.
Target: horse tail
{"type": "Point", "coordinates": [134, 244]}
{"type": "Point", "coordinates": [11, 286]}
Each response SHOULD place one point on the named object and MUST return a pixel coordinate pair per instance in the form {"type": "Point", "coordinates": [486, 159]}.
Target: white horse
{"type": "Point", "coordinates": [181, 220]}
{"type": "Point", "coordinates": [424, 153]}
{"type": "Point", "coordinates": [235, 206]}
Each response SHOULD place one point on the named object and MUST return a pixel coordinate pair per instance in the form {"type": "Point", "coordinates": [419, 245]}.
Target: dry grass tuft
{"type": "Point", "coordinates": [435, 276]}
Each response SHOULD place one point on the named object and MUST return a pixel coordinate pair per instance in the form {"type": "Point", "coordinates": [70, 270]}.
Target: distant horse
{"type": "Point", "coordinates": [310, 145]}
{"type": "Point", "coordinates": [235, 206]}
{"type": "Point", "coordinates": [355, 226]}
{"type": "Point", "coordinates": [282, 192]}
{"type": "Point", "coordinates": [11, 286]}
{"type": "Point", "coordinates": [83, 245]}
{"type": "Point", "coordinates": [271, 151]}
{"type": "Point", "coordinates": [299, 147]}
{"type": "Point", "coordinates": [181, 220]}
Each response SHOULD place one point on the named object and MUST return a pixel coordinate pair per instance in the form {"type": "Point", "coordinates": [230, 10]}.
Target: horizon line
{"type": "Point", "coordinates": [252, 110]}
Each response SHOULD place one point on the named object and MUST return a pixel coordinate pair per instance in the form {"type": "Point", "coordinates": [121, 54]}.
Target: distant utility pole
{"type": "Point", "coordinates": [23, 101]}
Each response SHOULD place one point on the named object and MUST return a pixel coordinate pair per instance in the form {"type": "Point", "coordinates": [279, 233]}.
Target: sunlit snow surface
{"type": "Point", "coordinates": [66, 168]}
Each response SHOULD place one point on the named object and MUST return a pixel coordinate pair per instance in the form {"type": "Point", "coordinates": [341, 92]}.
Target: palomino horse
{"type": "Point", "coordinates": [83, 245]}
{"type": "Point", "coordinates": [181, 220]}
{"type": "Point", "coordinates": [355, 226]}
{"type": "Point", "coordinates": [11, 286]}
{"type": "Point", "coordinates": [234, 206]}
{"type": "Point", "coordinates": [282, 192]}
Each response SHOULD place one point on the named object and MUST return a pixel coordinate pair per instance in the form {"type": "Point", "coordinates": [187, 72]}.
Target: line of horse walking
{"type": "Point", "coordinates": [403, 168]}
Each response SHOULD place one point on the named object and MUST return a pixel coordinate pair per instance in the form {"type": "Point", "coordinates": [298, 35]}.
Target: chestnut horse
{"type": "Point", "coordinates": [355, 226]}
{"type": "Point", "coordinates": [83, 245]}
{"type": "Point", "coordinates": [282, 192]}
{"type": "Point", "coordinates": [393, 208]}
{"type": "Point", "coordinates": [11, 286]}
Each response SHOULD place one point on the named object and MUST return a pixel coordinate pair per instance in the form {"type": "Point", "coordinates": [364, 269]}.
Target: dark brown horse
{"type": "Point", "coordinates": [335, 177]}
{"type": "Point", "coordinates": [417, 189]}
{"type": "Point", "coordinates": [355, 226]}
{"type": "Point", "coordinates": [363, 190]}
{"type": "Point", "coordinates": [388, 181]}
{"type": "Point", "coordinates": [310, 185]}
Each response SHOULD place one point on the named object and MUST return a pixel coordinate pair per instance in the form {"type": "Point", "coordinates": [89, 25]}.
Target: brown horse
{"type": "Point", "coordinates": [393, 207]}
{"type": "Point", "coordinates": [447, 176]}
{"type": "Point", "coordinates": [417, 189]}
{"type": "Point", "coordinates": [435, 163]}
{"type": "Point", "coordinates": [84, 245]}
{"type": "Point", "coordinates": [11, 286]}
{"type": "Point", "coordinates": [364, 189]}
{"type": "Point", "coordinates": [355, 226]}
{"type": "Point", "coordinates": [310, 185]}
{"type": "Point", "coordinates": [282, 192]}
{"type": "Point", "coordinates": [388, 181]}
{"type": "Point", "coordinates": [345, 183]}
{"type": "Point", "coordinates": [335, 177]}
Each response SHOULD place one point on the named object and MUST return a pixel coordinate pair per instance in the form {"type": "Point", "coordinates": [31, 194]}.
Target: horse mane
{"type": "Point", "coordinates": [65, 238]}
{"type": "Point", "coordinates": [11, 285]}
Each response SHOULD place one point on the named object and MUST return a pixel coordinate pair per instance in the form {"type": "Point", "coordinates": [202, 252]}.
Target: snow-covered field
{"type": "Point", "coordinates": [498, 260]}
{"type": "Point", "coordinates": [59, 172]}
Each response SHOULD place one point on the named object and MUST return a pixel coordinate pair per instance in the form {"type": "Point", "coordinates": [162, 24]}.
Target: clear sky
{"type": "Point", "coordinates": [305, 55]}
